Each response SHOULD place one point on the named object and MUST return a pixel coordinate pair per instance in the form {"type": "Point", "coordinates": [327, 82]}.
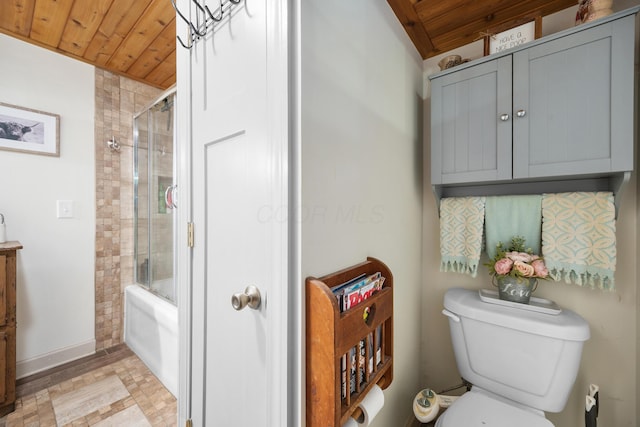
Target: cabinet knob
{"type": "Point", "coordinates": [521, 113]}
{"type": "Point", "coordinates": [504, 117]}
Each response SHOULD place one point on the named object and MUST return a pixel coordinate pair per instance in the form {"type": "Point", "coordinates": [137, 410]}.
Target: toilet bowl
{"type": "Point", "coordinates": [521, 359]}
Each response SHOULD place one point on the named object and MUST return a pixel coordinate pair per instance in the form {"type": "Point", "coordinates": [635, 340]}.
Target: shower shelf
{"type": "Point", "coordinates": [331, 334]}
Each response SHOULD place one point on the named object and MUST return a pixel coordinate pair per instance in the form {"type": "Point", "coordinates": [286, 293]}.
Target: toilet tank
{"type": "Point", "coordinates": [528, 356]}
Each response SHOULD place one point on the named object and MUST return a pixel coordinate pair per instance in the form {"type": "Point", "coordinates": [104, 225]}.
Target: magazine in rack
{"type": "Point", "coordinates": [350, 294]}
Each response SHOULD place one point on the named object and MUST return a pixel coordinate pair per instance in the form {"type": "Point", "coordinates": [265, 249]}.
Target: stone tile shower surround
{"type": "Point", "coordinates": [117, 100]}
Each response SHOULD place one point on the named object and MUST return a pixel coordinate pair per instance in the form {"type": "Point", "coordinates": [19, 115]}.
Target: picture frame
{"type": "Point", "coordinates": [29, 131]}
{"type": "Point", "coordinates": [512, 35]}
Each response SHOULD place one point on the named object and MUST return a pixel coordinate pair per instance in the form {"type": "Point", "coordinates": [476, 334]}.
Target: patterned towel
{"type": "Point", "coordinates": [510, 216]}
{"type": "Point", "coordinates": [461, 225]}
{"type": "Point", "coordinates": [579, 238]}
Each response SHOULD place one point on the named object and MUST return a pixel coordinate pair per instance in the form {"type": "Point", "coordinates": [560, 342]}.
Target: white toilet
{"type": "Point", "coordinates": [521, 359]}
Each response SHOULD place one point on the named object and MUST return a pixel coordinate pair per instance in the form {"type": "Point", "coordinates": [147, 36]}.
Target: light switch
{"type": "Point", "coordinates": [65, 208]}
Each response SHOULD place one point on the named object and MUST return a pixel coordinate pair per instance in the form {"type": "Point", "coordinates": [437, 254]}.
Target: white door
{"type": "Point", "coordinates": [238, 190]}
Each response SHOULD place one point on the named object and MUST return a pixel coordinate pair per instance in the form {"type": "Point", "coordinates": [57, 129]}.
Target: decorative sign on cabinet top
{"type": "Point", "coordinates": [513, 37]}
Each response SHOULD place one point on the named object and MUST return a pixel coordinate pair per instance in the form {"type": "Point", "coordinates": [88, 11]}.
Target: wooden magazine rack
{"type": "Point", "coordinates": [331, 334]}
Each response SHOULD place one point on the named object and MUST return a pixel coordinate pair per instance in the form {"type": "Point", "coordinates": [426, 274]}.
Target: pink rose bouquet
{"type": "Point", "coordinates": [517, 261]}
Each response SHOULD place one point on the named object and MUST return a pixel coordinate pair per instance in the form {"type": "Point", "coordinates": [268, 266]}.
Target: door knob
{"type": "Point", "coordinates": [250, 297]}
{"type": "Point", "coordinates": [521, 113]}
{"type": "Point", "coordinates": [504, 117]}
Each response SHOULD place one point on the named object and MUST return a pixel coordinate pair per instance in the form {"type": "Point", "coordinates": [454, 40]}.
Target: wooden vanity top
{"type": "Point", "coordinates": [10, 246]}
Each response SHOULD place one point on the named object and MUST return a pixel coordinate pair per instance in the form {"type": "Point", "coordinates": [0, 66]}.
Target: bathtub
{"type": "Point", "coordinates": [151, 331]}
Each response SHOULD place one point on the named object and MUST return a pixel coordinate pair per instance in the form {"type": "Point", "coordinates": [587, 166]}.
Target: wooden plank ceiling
{"type": "Point", "coordinates": [134, 38]}
{"type": "Point", "coordinates": [137, 38]}
{"type": "Point", "coordinates": [438, 26]}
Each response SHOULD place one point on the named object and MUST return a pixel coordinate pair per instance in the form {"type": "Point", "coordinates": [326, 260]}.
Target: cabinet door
{"type": "Point", "coordinates": [469, 140]}
{"type": "Point", "coordinates": [575, 99]}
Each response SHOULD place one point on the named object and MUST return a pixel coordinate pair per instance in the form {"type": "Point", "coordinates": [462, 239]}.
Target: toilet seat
{"type": "Point", "coordinates": [479, 408]}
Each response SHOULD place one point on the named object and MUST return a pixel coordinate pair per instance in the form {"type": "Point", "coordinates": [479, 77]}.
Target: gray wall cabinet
{"type": "Point", "coordinates": [469, 141]}
{"type": "Point", "coordinates": [559, 109]}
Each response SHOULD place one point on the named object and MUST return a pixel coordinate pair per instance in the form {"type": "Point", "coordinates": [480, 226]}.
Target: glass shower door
{"type": "Point", "coordinates": [141, 198]}
{"type": "Point", "coordinates": [155, 198]}
{"type": "Point", "coordinates": [161, 119]}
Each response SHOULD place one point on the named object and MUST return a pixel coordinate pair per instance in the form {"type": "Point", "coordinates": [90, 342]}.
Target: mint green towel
{"type": "Point", "coordinates": [510, 216]}
{"type": "Point", "coordinates": [461, 224]}
{"type": "Point", "coordinates": [579, 238]}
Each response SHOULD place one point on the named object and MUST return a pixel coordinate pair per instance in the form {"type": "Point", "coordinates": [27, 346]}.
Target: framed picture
{"type": "Point", "coordinates": [500, 39]}
{"type": "Point", "coordinates": [29, 131]}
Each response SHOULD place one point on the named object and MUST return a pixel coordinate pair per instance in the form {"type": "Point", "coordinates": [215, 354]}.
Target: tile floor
{"type": "Point", "coordinates": [111, 388]}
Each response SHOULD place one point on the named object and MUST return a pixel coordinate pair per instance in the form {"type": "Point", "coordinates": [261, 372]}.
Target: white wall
{"type": "Point", "coordinates": [361, 163]}
{"type": "Point", "coordinates": [610, 357]}
{"type": "Point", "coordinates": [56, 266]}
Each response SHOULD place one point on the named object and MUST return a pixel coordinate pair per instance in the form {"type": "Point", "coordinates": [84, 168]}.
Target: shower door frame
{"type": "Point", "coordinates": [171, 92]}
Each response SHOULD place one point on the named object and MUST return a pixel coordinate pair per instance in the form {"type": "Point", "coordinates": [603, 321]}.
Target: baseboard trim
{"type": "Point", "coordinates": [55, 358]}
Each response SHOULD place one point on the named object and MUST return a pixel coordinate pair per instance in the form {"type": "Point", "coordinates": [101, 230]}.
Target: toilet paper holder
{"type": "Point", "coordinates": [358, 414]}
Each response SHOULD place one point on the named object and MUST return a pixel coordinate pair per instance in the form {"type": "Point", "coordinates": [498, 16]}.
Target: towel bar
{"type": "Point", "coordinates": [614, 183]}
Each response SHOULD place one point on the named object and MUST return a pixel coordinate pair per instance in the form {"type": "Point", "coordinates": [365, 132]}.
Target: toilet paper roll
{"type": "Point", "coordinates": [372, 404]}
{"type": "Point", "coordinates": [351, 423]}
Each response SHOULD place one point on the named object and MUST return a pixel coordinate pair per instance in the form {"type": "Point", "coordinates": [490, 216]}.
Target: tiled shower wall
{"type": "Point", "coordinates": [117, 100]}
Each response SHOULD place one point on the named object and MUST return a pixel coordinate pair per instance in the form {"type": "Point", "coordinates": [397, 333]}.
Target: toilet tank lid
{"type": "Point", "coordinates": [565, 325]}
